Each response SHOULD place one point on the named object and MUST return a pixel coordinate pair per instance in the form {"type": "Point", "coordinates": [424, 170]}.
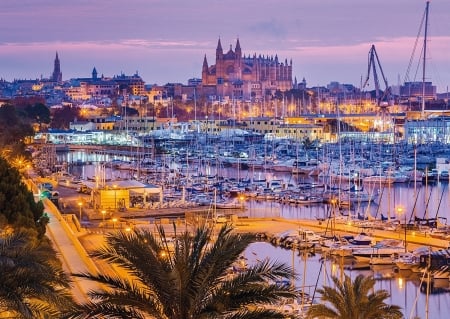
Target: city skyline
{"type": "Point", "coordinates": [165, 41]}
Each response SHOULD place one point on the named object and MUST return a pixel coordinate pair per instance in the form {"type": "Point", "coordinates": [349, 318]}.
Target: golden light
{"type": "Point", "coordinates": [114, 220]}
{"type": "Point", "coordinates": [334, 268]}
{"type": "Point", "coordinates": [80, 204]}
{"type": "Point", "coordinates": [400, 210]}
{"type": "Point", "coordinates": [400, 283]}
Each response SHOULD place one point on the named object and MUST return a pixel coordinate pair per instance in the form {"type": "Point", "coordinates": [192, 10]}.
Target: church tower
{"type": "Point", "coordinates": [94, 74]}
{"type": "Point", "coordinates": [219, 62]}
{"type": "Point", "coordinates": [57, 75]}
{"type": "Point", "coordinates": [238, 60]}
{"type": "Point", "coordinates": [205, 71]}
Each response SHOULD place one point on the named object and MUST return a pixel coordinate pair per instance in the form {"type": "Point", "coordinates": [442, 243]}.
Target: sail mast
{"type": "Point", "coordinates": [424, 58]}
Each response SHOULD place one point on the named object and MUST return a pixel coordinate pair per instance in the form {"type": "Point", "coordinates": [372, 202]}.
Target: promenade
{"type": "Point", "coordinates": [93, 220]}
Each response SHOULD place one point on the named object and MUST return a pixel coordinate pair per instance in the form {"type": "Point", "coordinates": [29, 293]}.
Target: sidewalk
{"type": "Point", "coordinates": [72, 255]}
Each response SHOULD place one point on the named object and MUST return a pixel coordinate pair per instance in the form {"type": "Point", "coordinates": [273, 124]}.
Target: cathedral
{"type": "Point", "coordinates": [236, 76]}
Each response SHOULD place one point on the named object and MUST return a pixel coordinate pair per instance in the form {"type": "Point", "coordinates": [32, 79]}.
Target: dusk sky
{"type": "Point", "coordinates": [166, 40]}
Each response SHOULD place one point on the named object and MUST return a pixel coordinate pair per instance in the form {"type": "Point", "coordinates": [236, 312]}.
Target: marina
{"type": "Point", "coordinates": [266, 194]}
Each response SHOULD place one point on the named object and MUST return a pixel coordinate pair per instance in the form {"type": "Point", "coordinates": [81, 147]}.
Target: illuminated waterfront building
{"type": "Point", "coordinates": [237, 76]}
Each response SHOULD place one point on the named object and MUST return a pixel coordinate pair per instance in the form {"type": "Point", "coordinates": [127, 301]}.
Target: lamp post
{"type": "Point", "coordinates": [114, 220]}
{"type": "Point", "coordinates": [103, 215]}
{"type": "Point", "coordinates": [400, 211]}
{"type": "Point", "coordinates": [80, 204]}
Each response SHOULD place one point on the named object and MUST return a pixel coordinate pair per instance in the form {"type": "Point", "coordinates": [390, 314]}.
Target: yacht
{"type": "Point", "coordinates": [382, 252]}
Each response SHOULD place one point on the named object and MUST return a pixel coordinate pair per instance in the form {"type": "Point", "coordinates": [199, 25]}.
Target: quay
{"type": "Point", "coordinates": [142, 217]}
{"type": "Point", "coordinates": [93, 219]}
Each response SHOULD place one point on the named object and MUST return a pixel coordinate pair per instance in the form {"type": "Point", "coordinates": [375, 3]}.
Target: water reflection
{"type": "Point", "coordinates": [404, 286]}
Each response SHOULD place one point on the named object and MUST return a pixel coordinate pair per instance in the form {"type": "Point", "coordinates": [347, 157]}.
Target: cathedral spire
{"type": "Point", "coordinates": [56, 75]}
{"type": "Point", "coordinates": [238, 45]}
{"type": "Point", "coordinates": [219, 46]}
{"type": "Point", "coordinates": [205, 63]}
{"type": "Point", "coordinates": [238, 50]}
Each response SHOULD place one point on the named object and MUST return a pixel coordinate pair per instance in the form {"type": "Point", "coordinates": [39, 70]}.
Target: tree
{"type": "Point", "coordinates": [190, 280]}
{"type": "Point", "coordinates": [33, 284]}
{"type": "Point", "coordinates": [62, 117]}
{"type": "Point", "coordinates": [13, 130]}
{"type": "Point", "coordinates": [17, 205]}
{"type": "Point", "coordinates": [353, 300]}
{"type": "Point", "coordinates": [38, 113]}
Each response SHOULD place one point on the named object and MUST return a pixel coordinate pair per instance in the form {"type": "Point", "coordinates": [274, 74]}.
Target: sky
{"type": "Point", "coordinates": [166, 40]}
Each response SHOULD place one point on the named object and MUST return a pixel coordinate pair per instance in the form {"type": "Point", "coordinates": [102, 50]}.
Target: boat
{"type": "Point", "coordinates": [444, 176]}
{"type": "Point", "coordinates": [357, 197]}
{"type": "Point", "coordinates": [361, 241]}
{"type": "Point", "coordinates": [309, 199]}
{"type": "Point", "coordinates": [305, 166]}
{"type": "Point", "coordinates": [378, 179]}
{"type": "Point", "coordinates": [309, 236]}
{"type": "Point", "coordinates": [230, 204]}
{"type": "Point", "coordinates": [382, 252]}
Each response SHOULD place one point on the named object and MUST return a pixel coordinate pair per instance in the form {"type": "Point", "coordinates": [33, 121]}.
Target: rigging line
{"type": "Point", "coordinates": [379, 201]}
{"type": "Point", "coordinates": [428, 202]}
{"type": "Point", "coordinates": [317, 279]}
{"type": "Point", "coordinates": [440, 201]}
{"type": "Point", "coordinates": [414, 48]}
{"type": "Point", "coordinates": [414, 207]}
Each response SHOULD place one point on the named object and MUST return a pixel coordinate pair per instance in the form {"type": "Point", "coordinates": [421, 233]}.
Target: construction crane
{"type": "Point", "coordinates": [380, 96]}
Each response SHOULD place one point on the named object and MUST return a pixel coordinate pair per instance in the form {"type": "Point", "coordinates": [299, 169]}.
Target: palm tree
{"type": "Point", "coordinates": [353, 300]}
{"type": "Point", "coordinates": [186, 278]}
{"type": "Point", "coordinates": [33, 284]}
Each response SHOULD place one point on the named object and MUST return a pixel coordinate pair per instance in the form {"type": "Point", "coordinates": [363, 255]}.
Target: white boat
{"type": "Point", "coordinates": [361, 241]}
{"type": "Point", "coordinates": [410, 259]}
{"type": "Point", "coordinates": [230, 204]}
{"type": "Point", "coordinates": [386, 249]}
{"type": "Point", "coordinates": [309, 236]}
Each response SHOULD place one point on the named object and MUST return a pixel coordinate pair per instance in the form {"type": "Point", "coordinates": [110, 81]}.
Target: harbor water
{"type": "Point", "coordinates": [402, 202]}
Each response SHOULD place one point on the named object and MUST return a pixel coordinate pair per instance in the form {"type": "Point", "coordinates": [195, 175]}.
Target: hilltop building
{"type": "Point", "coordinates": [237, 76]}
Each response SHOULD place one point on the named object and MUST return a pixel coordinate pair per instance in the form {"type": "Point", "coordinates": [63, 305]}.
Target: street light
{"type": "Point", "coordinates": [80, 204]}
{"type": "Point", "coordinates": [114, 220]}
